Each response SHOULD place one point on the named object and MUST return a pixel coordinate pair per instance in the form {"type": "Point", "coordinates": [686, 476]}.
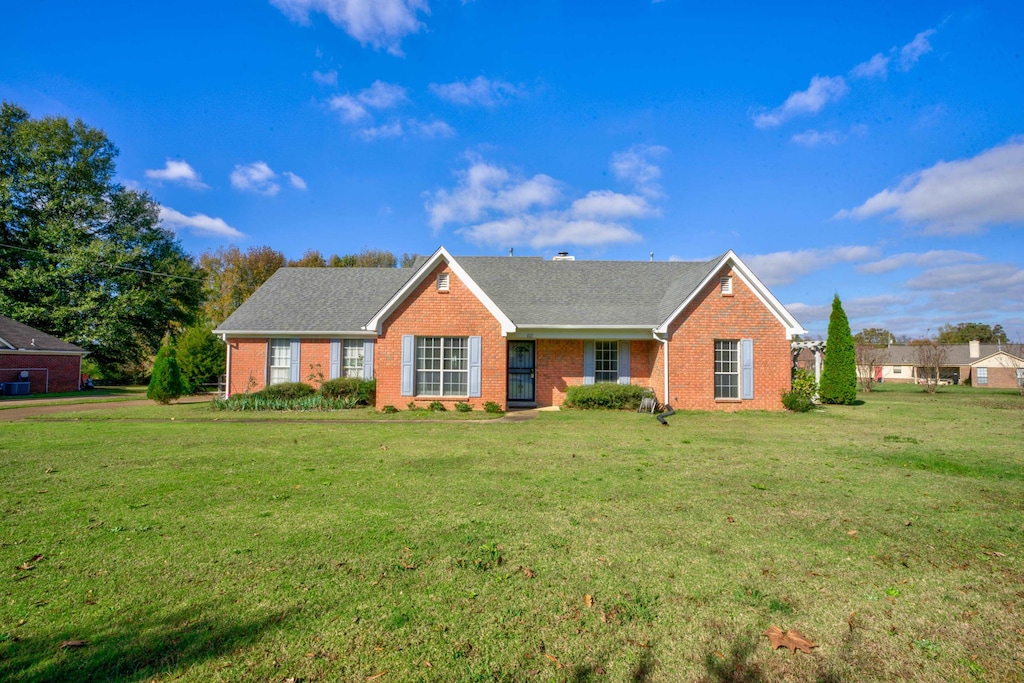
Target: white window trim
{"type": "Point", "coordinates": [738, 372]}
{"type": "Point", "coordinates": [446, 346]}
{"type": "Point", "coordinates": [982, 376]}
{"type": "Point", "coordinates": [613, 350]}
{"type": "Point", "coordinates": [286, 368]}
{"type": "Point", "coordinates": [355, 370]}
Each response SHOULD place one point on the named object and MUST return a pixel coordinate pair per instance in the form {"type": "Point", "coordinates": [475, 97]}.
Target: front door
{"type": "Point", "coordinates": [521, 386]}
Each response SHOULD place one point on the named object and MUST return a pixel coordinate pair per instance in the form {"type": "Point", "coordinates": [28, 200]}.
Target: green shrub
{"type": "Point", "coordinates": [493, 408]}
{"type": "Point", "coordinates": [797, 401]}
{"type": "Point", "coordinates": [201, 358]}
{"type": "Point", "coordinates": [839, 376]}
{"type": "Point", "coordinates": [165, 383]}
{"type": "Point", "coordinates": [463, 407]}
{"type": "Point", "coordinates": [803, 382]}
{"type": "Point", "coordinates": [604, 395]}
{"type": "Point", "coordinates": [436, 407]}
{"type": "Point", "coordinates": [243, 402]}
{"type": "Point", "coordinates": [362, 390]}
{"type": "Point", "coordinates": [287, 391]}
{"type": "Point", "coordinates": [389, 410]}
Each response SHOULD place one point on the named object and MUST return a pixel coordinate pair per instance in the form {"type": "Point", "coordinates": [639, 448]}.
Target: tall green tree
{"type": "Point", "coordinates": [839, 376]}
{"type": "Point", "coordinates": [873, 336]}
{"type": "Point", "coordinates": [962, 333]}
{"type": "Point", "coordinates": [82, 257]}
{"type": "Point", "coordinates": [232, 276]}
{"type": "Point", "coordinates": [165, 383]}
{"type": "Point", "coordinates": [201, 357]}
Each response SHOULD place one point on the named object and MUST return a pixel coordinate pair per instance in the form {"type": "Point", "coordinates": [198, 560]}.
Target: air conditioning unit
{"type": "Point", "coordinates": [16, 388]}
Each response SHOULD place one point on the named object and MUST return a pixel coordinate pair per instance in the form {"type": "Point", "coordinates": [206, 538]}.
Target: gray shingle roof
{"type": "Point", "coordinates": [317, 300]}
{"type": "Point", "coordinates": [23, 337]}
{"type": "Point", "coordinates": [534, 291]}
{"type": "Point", "coordinates": [955, 354]}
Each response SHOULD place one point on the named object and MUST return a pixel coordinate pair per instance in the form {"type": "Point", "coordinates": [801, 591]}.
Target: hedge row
{"type": "Point", "coordinates": [337, 394]}
{"type": "Point", "coordinates": [609, 396]}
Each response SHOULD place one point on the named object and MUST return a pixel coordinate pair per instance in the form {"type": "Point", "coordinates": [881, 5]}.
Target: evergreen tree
{"type": "Point", "coordinates": [839, 377]}
{"type": "Point", "coordinates": [200, 356]}
{"type": "Point", "coordinates": [165, 385]}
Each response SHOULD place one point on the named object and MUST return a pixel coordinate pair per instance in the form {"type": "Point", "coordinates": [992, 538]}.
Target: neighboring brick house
{"type": "Point", "coordinates": [997, 366]}
{"type": "Point", "coordinates": [28, 355]}
{"type": "Point", "coordinates": [519, 331]}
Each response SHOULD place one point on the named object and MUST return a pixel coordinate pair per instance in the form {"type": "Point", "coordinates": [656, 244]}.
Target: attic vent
{"type": "Point", "coordinates": [442, 282]}
{"type": "Point", "coordinates": [726, 281]}
{"type": "Point", "coordinates": [563, 256]}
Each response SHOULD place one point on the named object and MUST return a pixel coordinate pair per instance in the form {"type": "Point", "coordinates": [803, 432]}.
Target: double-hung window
{"type": "Point", "coordinates": [606, 361]}
{"type": "Point", "coordinates": [727, 369]}
{"type": "Point", "coordinates": [352, 358]}
{"type": "Point", "coordinates": [982, 375]}
{"type": "Point", "coordinates": [442, 366]}
{"type": "Point", "coordinates": [280, 360]}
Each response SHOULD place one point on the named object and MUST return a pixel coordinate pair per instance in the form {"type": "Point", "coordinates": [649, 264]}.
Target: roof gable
{"type": "Point", "coordinates": [422, 272]}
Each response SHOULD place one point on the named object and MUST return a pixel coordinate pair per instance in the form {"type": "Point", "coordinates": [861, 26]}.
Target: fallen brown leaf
{"type": "Point", "coordinates": [588, 600]}
{"type": "Point", "coordinates": [730, 520]}
{"type": "Point", "coordinates": [67, 644]}
{"type": "Point", "coordinates": [427, 664]}
{"type": "Point", "coordinates": [852, 533]}
{"type": "Point", "coordinates": [554, 659]}
{"type": "Point", "coordinates": [26, 567]}
{"type": "Point", "coordinates": [529, 572]}
{"type": "Point", "coordinates": [792, 639]}
{"type": "Point", "coordinates": [994, 553]}
{"type": "Point", "coordinates": [376, 676]}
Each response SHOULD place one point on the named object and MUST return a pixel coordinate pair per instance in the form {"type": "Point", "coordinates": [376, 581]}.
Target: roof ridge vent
{"type": "Point", "coordinates": [563, 256]}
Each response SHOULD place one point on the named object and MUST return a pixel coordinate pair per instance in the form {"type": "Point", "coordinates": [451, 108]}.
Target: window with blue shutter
{"type": "Point", "coordinates": [747, 366]}
{"type": "Point", "coordinates": [408, 363]}
{"type": "Point", "coordinates": [588, 362]}
{"type": "Point", "coordinates": [335, 372]}
{"type": "Point", "coordinates": [475, 362]}
{"type": "Point", "coordinates": [624, 362]}
{"type": "Point", "coordinates": [294, 375]}
{"type": "Point", "coordinates": [367, 359]}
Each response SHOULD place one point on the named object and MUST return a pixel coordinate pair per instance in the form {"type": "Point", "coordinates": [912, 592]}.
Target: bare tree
{"type": "Point", "coordinates": [868, 358]}
{"type": "Point", "coordinates": [931, 356]}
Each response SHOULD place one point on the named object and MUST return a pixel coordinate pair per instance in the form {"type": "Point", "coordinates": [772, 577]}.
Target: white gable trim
{"type": "Point", "coordinates": [756, 286]}
{"type": "Point", "coordinates": [999, 359]}
{"type": "Point", "coordinates": [377, 321]}
{"type": "Point", "coordinates": [6, 343]}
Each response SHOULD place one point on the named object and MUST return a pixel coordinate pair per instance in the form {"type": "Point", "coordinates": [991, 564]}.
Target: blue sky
{"type": "Point", "coordinates": [875, 151]}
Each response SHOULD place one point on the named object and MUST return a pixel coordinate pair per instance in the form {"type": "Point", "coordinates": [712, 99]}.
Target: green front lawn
{"type": "Point", "coordinates": [580, 546]}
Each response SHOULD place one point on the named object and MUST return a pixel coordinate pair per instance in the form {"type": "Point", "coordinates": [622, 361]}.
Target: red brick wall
{"type": "Point", "coordinates": [430, 313]}
{"type": "Point", "coordinates": [315, 360]}
{"type": "Point", "coordinates": [998, 378]}
{"type": "Point", "coordinates": [64, 371]}
{"type": "Point", "coordinates": [248, 371]}
{"type": "Point", "coordinates": [710, 317]}
{"type": "Point", "coordinates": [559, 365]}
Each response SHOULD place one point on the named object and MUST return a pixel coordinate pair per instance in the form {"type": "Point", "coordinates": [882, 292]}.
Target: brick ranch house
{"type": "Point", "coordinates": [519, 331]}
{"type": "Point", "coordinates": [47, 363]}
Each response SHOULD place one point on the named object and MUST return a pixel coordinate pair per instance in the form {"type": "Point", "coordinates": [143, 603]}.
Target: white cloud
{"type": "Point", "coordinates": [350, 108]}
{"type": "Point", "coordinates": [821, 91]}
{"type": "Point", "coordinates": [816, 138]}
{"type": "Point", "coordinates": [431, 129]}
{"type": "Point", "coordinates": [486, 188]}
{"type": "Point", "coordinates": [326, 77]}
{"type": "Point", "coordinates": [547, 230]}
{"type": "Point", "coordinates": [928, 259]}
{"type": "Point", "coordinates": [177, 172]}
{"type": "Point", "coordinates": [380, 23]}
{"type": "Point", "coordinates": [197, 223]}
{"type": "Point", "coordinates": [479, 91]}
{"type": "Point", "coordinates": [782, 267]}
{"type": "Point", "coordinates": [388, 130]}
{"type": "Point", "coordinates": [379, 95]}
{"type": "Point", "coordinates": [915, 49]}
{"type": "Point", "coordinates": [491, 204]}
{"type": "Point", "coordinates": [876, 67]}
{"type": "Point", "coordinates": [295, 181]}
{"type": "Point", "coordinates": [635, 166]}
{"type": "Point", "coordinates": [255, 177]}
{"type": "Point", "coordinates": [977, 275]}
{"type": "Point", "coordinates": [957, 197]}
{"type": "Point", "coordinates": [612, 205]}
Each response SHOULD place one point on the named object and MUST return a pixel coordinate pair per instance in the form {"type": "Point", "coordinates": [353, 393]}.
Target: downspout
{"type": "Point", "coordinates": [227, 371]}
{"type": "Point", "coordinates": [664, 365]}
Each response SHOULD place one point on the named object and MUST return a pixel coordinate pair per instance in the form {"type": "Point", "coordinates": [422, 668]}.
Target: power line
{"type": "Point", "coordinates": [110, 265]}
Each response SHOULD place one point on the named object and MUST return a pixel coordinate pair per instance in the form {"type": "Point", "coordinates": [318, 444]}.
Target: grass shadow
{"type": "Point", "coordinates": [138, 649]}
{"type": "Point", "coordinates": [735, 667]}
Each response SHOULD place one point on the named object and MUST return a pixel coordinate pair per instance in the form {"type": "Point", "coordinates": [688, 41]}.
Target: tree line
{"type": "Point", "coordinates": [86, 259]}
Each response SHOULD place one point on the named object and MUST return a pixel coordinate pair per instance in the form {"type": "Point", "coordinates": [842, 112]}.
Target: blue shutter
{"type": "Point", "coordinates": [588, 362]}
{"type": "Point", "coordinates": [335, 372]}
{"type": "Point", "coordinates": [295, 362]}
{"type": "Point", "coordinates": [747, 368]}
{"type": "Point", "coordinates": [624, 362]}
{"type": "Point", "coordinates": [367, 359]}
{"type": "Point", "coordinates": [408, 363]}
{"type": "Point", "coordinates": [475, 357]}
